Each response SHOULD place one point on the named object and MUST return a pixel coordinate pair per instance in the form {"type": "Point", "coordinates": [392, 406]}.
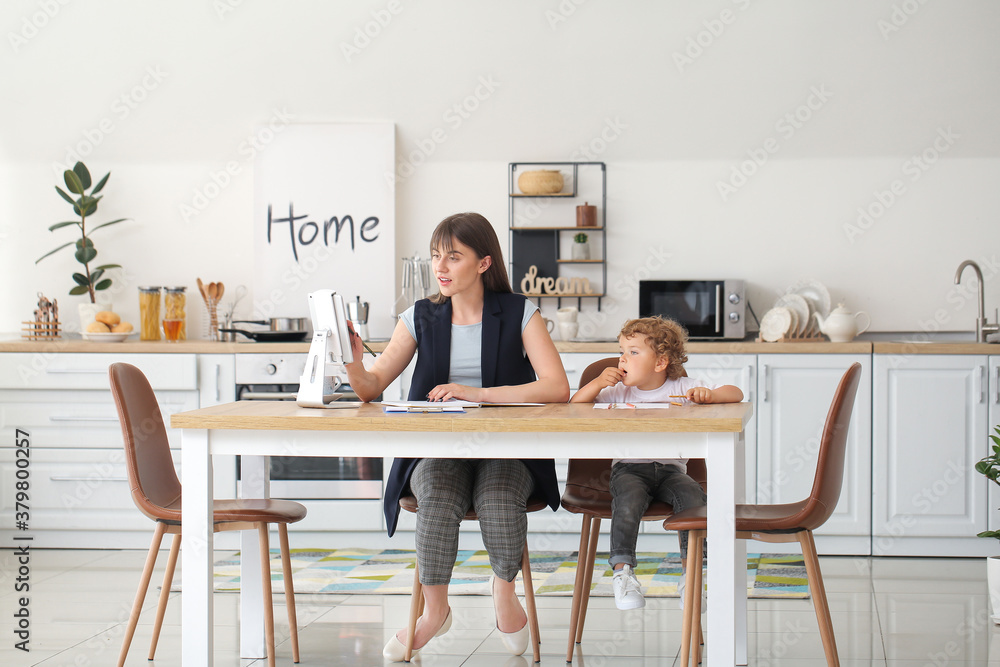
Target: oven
{"type": "Point", "coordinates": [708, 309]}
{"type": "Point", "coordinates": [275, 377]}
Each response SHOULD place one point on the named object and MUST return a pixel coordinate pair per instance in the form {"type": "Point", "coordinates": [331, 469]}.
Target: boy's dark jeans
{"type": "Point", "coordinates": [633, 487]}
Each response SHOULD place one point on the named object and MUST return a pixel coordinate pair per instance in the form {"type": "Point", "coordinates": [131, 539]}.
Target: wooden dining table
{"type": "Point", "coordinates": [259, 429]}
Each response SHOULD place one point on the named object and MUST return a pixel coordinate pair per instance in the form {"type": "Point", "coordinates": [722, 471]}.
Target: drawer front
{"type": "Point", "coordinates": [75, 419]}
{"type": "Point", "coordinates": [40, 370]}
{"type": "Point", "coordinates": [73, 490]}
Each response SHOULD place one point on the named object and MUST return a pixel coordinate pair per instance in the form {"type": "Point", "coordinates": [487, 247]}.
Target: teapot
{"type": "Point", "coordinates": [841, 325]}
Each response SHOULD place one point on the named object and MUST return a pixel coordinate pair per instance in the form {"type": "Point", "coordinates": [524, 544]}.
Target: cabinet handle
{"type": "Point", "coordinates": [218, 376]}
{"type": "Point", "coordinates": [767, 379]}
{"type": "Point", "coordinates": [76, 478]}
{"type": "Point", "coordinates": [749, 376]}
{"type": "Point", "coordinates": [996, 385]}
{"type": "Point", "coordinates": [982, 384]}
{"type": "Point", "coordinates": [59, 418]}
{"type": "Point", "coordinates": [66, 371]}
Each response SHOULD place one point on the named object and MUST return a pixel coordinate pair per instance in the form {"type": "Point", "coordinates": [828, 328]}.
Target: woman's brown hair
{"type": "Point", "coordinates": [666, 337]}
{"type": "Point", "coordinates": [475, 231]}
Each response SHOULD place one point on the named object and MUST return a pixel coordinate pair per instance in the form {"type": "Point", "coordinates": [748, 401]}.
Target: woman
{"type": "Point", "coordinates": [477, 341]}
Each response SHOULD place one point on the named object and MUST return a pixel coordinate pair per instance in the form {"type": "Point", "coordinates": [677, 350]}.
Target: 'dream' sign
{"type": "Point", "coordinates": [324, 218]}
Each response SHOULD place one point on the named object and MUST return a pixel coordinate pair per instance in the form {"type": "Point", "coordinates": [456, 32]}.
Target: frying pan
{"type": "Point", "coordinates": [271, 336]}
{"type": "Point", "coordinates": [285, 324]}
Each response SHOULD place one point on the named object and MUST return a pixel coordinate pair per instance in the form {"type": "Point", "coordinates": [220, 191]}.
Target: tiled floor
{"type": "Point", "coordinates": [892, 612]}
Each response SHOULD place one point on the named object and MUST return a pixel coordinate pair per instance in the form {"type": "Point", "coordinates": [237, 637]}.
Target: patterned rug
{"type": "Point", "coordinates": [371, 571]}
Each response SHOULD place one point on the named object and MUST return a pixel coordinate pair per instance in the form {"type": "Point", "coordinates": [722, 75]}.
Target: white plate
{"type": "Point", "coordinates": [775, 324]}
{"type": "Point", "coordinates": [798, 305]}
{"type": "Point", "coordinates": [815, 293]}
{"type": "Point", "coordinates": [109, 337]}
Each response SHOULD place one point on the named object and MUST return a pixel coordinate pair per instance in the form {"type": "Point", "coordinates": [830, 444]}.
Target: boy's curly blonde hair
{"type": "Point", "coordinates": [666, 337]}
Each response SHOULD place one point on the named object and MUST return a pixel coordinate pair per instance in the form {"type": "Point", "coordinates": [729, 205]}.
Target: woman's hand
{"type": "Point", "coordinates": [357, 348]}
{"type": "Point", "coordinates": [446, 392]}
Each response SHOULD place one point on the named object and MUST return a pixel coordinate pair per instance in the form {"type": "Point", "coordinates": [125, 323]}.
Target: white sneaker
{"type": "Point", "coordinates": [680, 591]}
{"type": "Point", "coordinates": [628, 592]}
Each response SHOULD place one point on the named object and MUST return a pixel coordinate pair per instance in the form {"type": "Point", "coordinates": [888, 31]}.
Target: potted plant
{"type": "Point", "coordinates": [581, 250]}
{"type": "Point", "coordinates": [990, 467]}
{"type": "Point", "coordinates": [92, 279]}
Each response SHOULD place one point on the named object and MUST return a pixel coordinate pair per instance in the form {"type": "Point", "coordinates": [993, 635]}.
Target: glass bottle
{"type": "Point", "coordinates": [149, 313]}
{"type": "Point", "coordinates": [174, 302]}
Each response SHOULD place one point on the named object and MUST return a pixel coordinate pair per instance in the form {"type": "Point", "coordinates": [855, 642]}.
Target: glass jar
{"type": "Point", "coordinates": [174, 301]}
{"type": "Point", "coordinates": [149, 313]}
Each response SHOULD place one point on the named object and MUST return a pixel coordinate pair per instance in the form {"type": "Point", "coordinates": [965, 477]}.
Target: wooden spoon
{"type": "Point", "coordinates": [222, 290]}
{"type": "Point", "coordinates": [213, 291]}
{"type": "Point", "coordinates": [204, 293]}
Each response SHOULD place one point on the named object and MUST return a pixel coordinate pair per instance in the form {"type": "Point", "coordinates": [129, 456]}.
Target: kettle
{"type": "Point", "coordinates": [841, 325]}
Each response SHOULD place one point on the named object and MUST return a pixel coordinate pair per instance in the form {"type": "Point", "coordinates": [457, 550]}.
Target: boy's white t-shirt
{"type": "Point", "coordinates": [622, 394]}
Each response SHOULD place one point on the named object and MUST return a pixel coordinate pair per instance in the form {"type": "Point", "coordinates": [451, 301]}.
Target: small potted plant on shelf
{"type": "Point", "coordinates": [581, 249]}
{"type": "Point", "coordinates": [92, 279]}
{"type": "Point", "coordinates": [990, 467]}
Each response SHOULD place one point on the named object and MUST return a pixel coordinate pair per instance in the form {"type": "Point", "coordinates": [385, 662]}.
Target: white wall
{"type": "Point", "coordinates": [887, 80]}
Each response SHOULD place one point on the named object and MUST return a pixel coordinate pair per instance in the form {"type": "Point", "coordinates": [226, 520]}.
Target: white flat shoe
{"type": "Point", "coordinates": [395, 650]}
{"type": "Point", "coordinates": [515, 642]}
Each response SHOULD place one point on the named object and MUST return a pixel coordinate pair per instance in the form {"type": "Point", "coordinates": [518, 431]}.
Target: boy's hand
{"type": "Point", "coordinates": [699, 395]}
{"type": "Point", "coordinates": [609, 377]}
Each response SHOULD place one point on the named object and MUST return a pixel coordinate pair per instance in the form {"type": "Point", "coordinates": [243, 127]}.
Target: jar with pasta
{"type": "Point", "coordinates": [149, 313]}
{"type": "Point", "coordinates": [173, 307]}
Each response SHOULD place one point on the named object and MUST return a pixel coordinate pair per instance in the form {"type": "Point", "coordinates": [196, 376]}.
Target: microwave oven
{"type": "Point", "coordinates": [708, 309]}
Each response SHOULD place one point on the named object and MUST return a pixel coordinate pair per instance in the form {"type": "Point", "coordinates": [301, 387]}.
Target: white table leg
{"type": "Point", "coordinates": [739, 461]}
{"type": "Point", "coordinates": [197, 621]}
{"type": "Point", "coordinates": [726, 567]}
{"type": "Point", "coordinates": [254, 483]}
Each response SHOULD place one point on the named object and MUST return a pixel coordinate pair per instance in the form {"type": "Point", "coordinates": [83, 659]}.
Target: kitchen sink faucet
{"type": "Point", "coordinates": [982, 326]}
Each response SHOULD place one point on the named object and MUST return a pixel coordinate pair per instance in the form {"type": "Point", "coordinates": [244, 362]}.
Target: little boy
{"type": "Point", "coordinates": [650, 370]}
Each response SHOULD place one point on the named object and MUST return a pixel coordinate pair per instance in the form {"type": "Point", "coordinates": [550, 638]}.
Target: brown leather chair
{"type": "Point", "coordinates": [535, 504]}
{"type": "Point", "coordinates": [587, 493]}
{"type": "Point", "coordinates": [157, 493]}
{"type": "Point", "coordinates": [787, 522]}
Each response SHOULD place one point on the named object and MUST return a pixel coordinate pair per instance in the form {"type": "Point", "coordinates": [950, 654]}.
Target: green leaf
{"type": "Point", "coordinates": [95, 275]}
{"type": "Point", "coordinates": [100, 184]}
{"type": "Point", "coordinates": [62, 193]}
{"type": "Point", "coordinates": [989, 533]}
{"type": "Point", "coordinates": [64, 224]}
{"type": "Point", "coordinates": [80, 169]}
{"type": "Point", "coordinates": [73, 182]}
{"type": "Point", "coordinates": [108, 266]}
{"type": "Point", "coordinates": [104, 284]}
{"type": "Point", "coordinates": [90, 210]}
{"type": "Point", "coordinates": [81, 279]}
{"type": "Point", "coordinates": [80, 289]}
{"type": "Point", "coordinates": [52, 252]}
{"type": "Point", "coordinates": [84, 242]}
{"type": "Point", "coordinates": [105, 224]}
{"type": "Point", "coordinates": [85, 254]}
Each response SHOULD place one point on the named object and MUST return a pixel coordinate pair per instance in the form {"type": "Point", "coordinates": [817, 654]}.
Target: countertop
{"type": "Point", "coordinates": [902, 343]}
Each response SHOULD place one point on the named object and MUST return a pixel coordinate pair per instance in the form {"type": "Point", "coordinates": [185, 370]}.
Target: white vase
{"type": "Point", "coordinates": [88, 311]}
{"type": "Point", "coordinates": [581, 251]}
{"type": "Point", "coordinates": [993, 580]}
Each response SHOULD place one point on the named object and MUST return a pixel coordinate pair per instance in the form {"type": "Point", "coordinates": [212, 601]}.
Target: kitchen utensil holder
{"type": "Point", "coordinates": [36, 330]}
{"type": "Point", "coordinates": [211, 323]}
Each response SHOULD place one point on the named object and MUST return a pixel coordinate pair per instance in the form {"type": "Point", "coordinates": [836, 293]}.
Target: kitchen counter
{"type": "Point", "coordinates": [899, 346]}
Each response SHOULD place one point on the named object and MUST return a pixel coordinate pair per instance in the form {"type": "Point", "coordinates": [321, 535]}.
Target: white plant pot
{"type": "Point", "coordinates": [993, 580]}
{"type": "Point", "coordinates": [581, 250]}
{"type": "Point", "coordinates": [88, 311]}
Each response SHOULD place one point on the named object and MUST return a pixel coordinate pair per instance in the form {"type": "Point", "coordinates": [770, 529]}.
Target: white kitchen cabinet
{"type": "Point", "coordinates": [930, 416]}
{"type": "Point", "coordinates": [79, 490]}
{"type": "Point", "coordinates": [794, 393]}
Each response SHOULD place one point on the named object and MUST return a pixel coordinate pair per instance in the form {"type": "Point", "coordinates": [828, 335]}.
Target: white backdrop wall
{"type": "Point", "coordinates": [741, 137]}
